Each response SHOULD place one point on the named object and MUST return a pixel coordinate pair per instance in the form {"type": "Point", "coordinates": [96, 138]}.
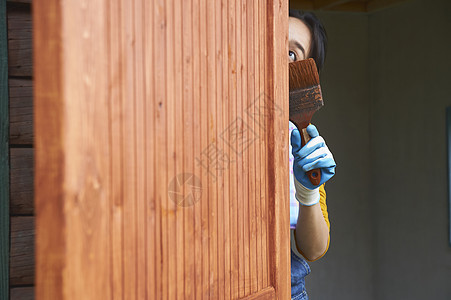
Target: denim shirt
{"type": "Point", "coordinates": [299, 269]}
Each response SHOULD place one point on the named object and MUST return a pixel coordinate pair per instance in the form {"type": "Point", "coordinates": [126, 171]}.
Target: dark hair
{"type": "Point", "coordinates": [319, 37]}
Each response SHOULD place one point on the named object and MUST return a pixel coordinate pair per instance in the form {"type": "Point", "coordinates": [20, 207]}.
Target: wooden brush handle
{"type": "Point", "coordinates": [315, 174]}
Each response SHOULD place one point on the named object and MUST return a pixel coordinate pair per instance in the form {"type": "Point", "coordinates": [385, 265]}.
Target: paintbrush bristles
{"type": "Point", "coordinates": [303, 74]}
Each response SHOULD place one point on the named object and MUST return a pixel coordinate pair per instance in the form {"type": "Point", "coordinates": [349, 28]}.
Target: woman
{"type": "Point", "coordinates": [309, 219]}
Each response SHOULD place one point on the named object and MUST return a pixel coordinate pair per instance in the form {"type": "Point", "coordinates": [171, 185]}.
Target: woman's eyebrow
{"type": "Point", "coordinates": [297, 44]}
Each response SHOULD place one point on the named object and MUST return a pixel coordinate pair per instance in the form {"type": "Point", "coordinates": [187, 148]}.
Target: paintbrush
{"type": "Point", "coordinates": [305, 100]}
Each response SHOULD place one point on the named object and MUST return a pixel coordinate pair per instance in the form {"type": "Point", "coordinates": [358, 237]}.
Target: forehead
{"type": "Point", "coordinates": [298, 31]}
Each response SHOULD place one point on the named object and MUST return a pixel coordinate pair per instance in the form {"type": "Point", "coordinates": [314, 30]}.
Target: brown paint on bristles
{"type": "Point", "coordinates": [305, 99]}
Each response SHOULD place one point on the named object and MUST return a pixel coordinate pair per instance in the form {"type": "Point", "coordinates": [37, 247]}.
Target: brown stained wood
{"type": "Point", "coordinates": [278, 206]}
{"type": "Point", "coordinates": [21, 181]}
{"type": "Point", "coordinates": [267, 293]}
{"type": "Point", "coordinates": [162, 156]}
{"type": "Point", "coordinates": [255, 117]}
{"type": "Point", "coordinates": [220, 161]}
{"type": "Point", "coordinates": [115, 55]}
{"type": "Point", "coordinates": [181, 79]}
{"type": "Point", "coordinates": [197, 148]}
{"type": "Point", "coordinates": [244, 140]}
{"type": "Point", "coordinates": [50, 218]}
{"type": "Point", "coordinates": [250, 151]}
{"type": "Point", "coordinates": [233, 189]}
{"type": "Point", "coordinates": [71, 158]}
{"type": "Point", "coordinates": [144, 116]}
{"type": "Point", "coordinates": [22, 293]}
{"type": "Point", "coordinates": [238, 151]}
{"type": "Point", "coordinates": [186, 268]}
{"type": "Point", "coordinates": [225, 203]}
{"type": "Point", "coordinates": [204, 289]}
{"type": "Point", "coordinates": [21, 111]}
{"type": "Point", "coordinates": [212, 162]}
{"type": "Point", "coordinates": [263, 129]}
{"type": "Point", "coordinates": [182, 19]}
{"type": "Point", "coordinates": [21, 269]}
{"type": "Point", "coordinates": [4, 158]}
{"type": "Point", "coordinates": [152, 224]}
{"type": "Point", "coordinates": [129, 128]}
{"type": "Point", "coordinates": [141, 172]}
{"type": "Point", "coordinates": [170, 232]}
{"type": "Point", "coordinates": [20, 62]}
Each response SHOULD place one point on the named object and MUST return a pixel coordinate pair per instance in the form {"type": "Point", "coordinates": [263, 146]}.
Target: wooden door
{"type": "Point", "coordinates": [161, 149]}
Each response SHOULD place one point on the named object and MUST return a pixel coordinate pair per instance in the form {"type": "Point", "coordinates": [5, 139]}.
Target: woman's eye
{"type": "Point", "coordinates": [292, 55]}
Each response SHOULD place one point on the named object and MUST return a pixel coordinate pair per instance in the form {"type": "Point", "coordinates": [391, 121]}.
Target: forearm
{"type": "Point", "coordinates": [311, 231]}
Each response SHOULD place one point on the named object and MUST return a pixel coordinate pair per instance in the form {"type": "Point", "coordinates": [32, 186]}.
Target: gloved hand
{"type": "Point", "coordinates": [314, 155]}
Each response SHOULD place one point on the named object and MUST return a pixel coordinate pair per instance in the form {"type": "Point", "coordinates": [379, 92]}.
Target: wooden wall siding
{"type": "Point", "coordinates": [4, 157]}
{"type": "Point", "coordinates": [21, 260]}
{"type": "Point", "coordinates": [22, 293]}
{"type": "Point", "coordinates": [161, 149]}
{"type": "Point", "coordinates": [20, 111]}
{"type": "Point", "coordinates": [22, 250]}
{"type": "Point", "coordinates": [19, 40]}
{"type": "Point", "coordinates": [21, 176]}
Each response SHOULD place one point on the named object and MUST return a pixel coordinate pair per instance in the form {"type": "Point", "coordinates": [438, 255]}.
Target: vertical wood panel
{"type": "Point", "coordinates": [265, 178]}
{"type": "Point", "coordinates": [251, 54]}
{"type": "Point", "coordinates": [170, 213]}
{"type": "Point", "coordinates": [141, 150]}
{"type": "Point", "coordinates": [182, 78]}
{"type": "Point", "coordinates": [256, 117]}
{"type": "Point", "coordinates": [212, 177]}
{"type": "Point", "coordinates": [4, 157]}
{"type": "Point", "coordinates": [153, 283]}
{"type": "Point", "coordinates": [50, 218]}
{"type": "Point", "coordinates": [197, 139]}
{"type": "Point", "coordinates": [225, 115]}
{"type": "Point", "coordinates": [161, 150]}
{"type": "Point", "coordinates": [184, 93]}
{"type": "Point", "coordinates": [205, 255]}
{"type": "Point", "coordinates": [86, 151]}
{"type": "Point", "coordinates": [219, 211]}
{"type": "Point", "coordinates": [239, 177]}
{"type": "Point", "coordinates": [116, 165]}
{"type": "Point", "coordinates": [128, 145]}
{"type": "Point", "coordinates": [244, 150]}
{"type": "Point", "coordinates": [233, 83]}
{"type": "Point", "coordinates": [277, 148]}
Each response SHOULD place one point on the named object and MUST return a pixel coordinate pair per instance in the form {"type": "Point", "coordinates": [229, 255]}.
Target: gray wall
{"type": "Point", "coordinates": [343, 121]}
{"type": "Point", "coordinates": [410, 63]}
{"type": "Point", "coordinates": [386, 85]}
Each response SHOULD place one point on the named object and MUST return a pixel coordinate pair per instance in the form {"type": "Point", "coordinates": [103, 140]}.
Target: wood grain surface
{"type": "Point", "coordinates": [161, 142]}
{"type": "Point", "coordinates": [4, 157]}
{"type": "Point", "coordinates": [22, 293]}
{"type": "Point", "coordinates": [22, 261]}
{"type": "Point", "coordinates": [21, 177]}
{"type": "Point", "coordinates": [20, 62]}
{"type": "Point", "coordinates": [20, 112]}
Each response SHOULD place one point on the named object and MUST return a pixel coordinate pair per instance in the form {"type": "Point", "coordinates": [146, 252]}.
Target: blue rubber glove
{"type": "Point", "coordinates": [314, 155]}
